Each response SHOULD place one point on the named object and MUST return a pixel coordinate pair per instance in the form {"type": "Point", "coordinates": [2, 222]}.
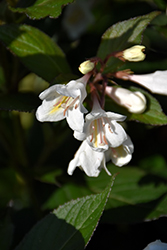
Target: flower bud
{"type": "Point", "coordinates": [134, 54]}
{"type": "Point", "coordinates": [135, 102]}
{"type": "Point", "coordinates": [86, 66]}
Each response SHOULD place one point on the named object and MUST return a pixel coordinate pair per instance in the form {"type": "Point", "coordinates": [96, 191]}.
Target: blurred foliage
{"type": "Point", "coordinates": [34, 156]}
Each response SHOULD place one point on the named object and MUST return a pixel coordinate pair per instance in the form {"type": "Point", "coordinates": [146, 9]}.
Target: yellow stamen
{"type": "Point", "coordinates": [59, 104]}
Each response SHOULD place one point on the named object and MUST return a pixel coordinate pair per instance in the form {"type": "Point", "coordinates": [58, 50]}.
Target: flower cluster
{"type": "Point", "coordinates": [103, 137]}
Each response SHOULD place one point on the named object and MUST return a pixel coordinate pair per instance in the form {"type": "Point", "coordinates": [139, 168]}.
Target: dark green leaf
{"type": "Point", "coordinates": [43, 8]}
{"type": "Point", "coordinates": [64, 194]}
{"type": "Point", "coordinates": [50, 177]}
{"type": "Point", "coordinates": [155, 165]}
{"type": "Point", "coordinates": [68, 227]}
{"type": "Point", "coordinates": [137, 195]}
{"type": "Point", "coordinates": [161, 4]}
{"type": "Point", "coordinates": [35, 49]}
{"type": "Point", "coordinates": [121, 36]}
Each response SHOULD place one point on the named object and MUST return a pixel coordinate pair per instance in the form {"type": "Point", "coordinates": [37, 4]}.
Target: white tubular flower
{"type": "Point", "coordinates": [86, 67]}
{"type": "Point", "coordinates": [134, 54]}
{"type": "Point", "coordinates": [101, 129]}
{"type": "Point", "coordinates": [135, 102]}
{"type": "Point", "coordinates": [156, 82]}
{"type": "Point", "coordinates": [90, 161]}
{"type": "Point", "coordinates": [121, 155]}
{"type": "Point", "coordinates": [64, 101]}
{"type": "Point", "coordinates": [156, 245]}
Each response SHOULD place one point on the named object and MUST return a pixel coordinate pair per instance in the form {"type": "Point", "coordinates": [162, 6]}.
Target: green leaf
{"type": "Point", "coordinates": [153, 114]}
{"type": "Point", "coordinates": [66, 193]}
{"type": "Point", "coordinates": [43, 8]}
{"type": "Point", "coordinates": [35, 49]}
{"type": "Point", "coordinates": [23, 102]}
{"type": "Point", "coordinates": [68, 227]}
{"type": "Point", "coordinates": [155, 165]}
{"type": "Point", "coordinates": [160, 3]}
{"type": "Point", "coordinates": [51, 177]}
{"type": "Point", "coordinates": [137, 195]}
{"type": "Point", "coordinates": [121, 36]}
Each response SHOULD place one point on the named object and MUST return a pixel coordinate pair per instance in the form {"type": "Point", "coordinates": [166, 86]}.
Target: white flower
{"type": "Point", "coordinates": [64, 101]}
{"type": "Point", "coordinates": [156, 245]}
{"type": "Point", "coordinates": [101, 129]}
{"type": "Point", "coordinates": [135, 102]}
{"type": "Point", "coordinates": [121, 155]}
{"type": "Point", "coordinates": [92, 162]}
{"type": "Point", "coordinates": [134, 54]}
{"type": "Point", "coordinates": [88, 160]}
{"type": "Point", "coordinates": [156, 82]}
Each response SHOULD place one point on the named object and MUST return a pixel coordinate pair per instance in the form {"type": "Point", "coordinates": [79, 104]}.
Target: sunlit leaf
{"type": "Point", "coordinates": [35, 49]}
{"type": "Point", "coordinates": [43, 8]}
{"type": "Point", "coordinates": [121, 36]}
{"type": "Point", "coordinates": [70, 226]}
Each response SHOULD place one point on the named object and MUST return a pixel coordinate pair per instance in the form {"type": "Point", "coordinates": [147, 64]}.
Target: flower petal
{"type": "Point", "coordinates": [121, 155]}
{"type": "Point", "coordinates": [88, 160]}
{"type": "Point", "coordinates": [74, 88]}
{"type": "Point", "coordinates": [75, 119]}
{"type": "Point", "coordinates": [49, 93]}
{"type": "Point", "coordinates": [156, 82]}
{"type": "Point", "coordinates": [115, 134]}
{"type": "Point", "coordinates": [81, 136]}
{"type": "Point", "coordinates": [115, 116]}
{"type": "Point", "coordinates": [49, 112]}
{"type": "Point", "coordinates": [69, 89]}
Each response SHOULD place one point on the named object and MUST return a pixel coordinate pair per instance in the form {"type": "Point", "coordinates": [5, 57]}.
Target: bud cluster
{"type": "Point", "coordinates": [134, 102]}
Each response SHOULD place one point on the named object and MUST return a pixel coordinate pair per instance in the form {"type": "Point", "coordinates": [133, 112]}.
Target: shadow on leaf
{"type": "Point", "coordinates": [52, 233]}
{"type": "Point", "coordinates": [135, 213]}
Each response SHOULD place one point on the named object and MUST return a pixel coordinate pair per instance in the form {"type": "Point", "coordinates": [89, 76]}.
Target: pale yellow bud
{"type": "Point", "coordinates": [86, 67]}
{"type": "Point", "coordinates": [134, 54]}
